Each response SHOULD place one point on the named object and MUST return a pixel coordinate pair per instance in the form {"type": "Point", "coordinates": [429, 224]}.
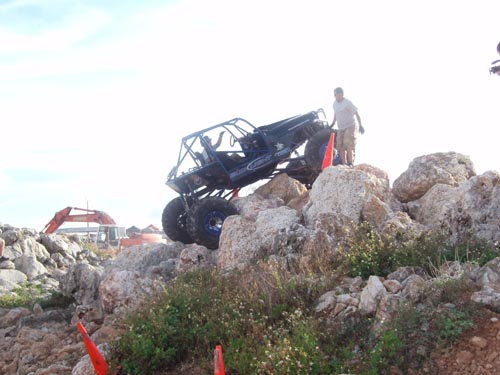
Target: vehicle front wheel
{"type": "Point", "coordinates": [316, 147]}
{"type": "Point", "coordinates": [173, 220]}
{"type": "Point", "coordinates": [205, 220]}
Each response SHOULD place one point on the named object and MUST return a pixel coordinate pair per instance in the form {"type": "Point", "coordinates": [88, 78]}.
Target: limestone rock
{"type": "Point", "coordinates": [13, 316]}
{"type": "Point", "coordinates": [424, 172]}
{"type": "Point", "coordinates": [129, 289]}
{"type": "Point", "coordinates": [10, 279]}
{"type": "Point", "coordinates": [30, 266]}
{"type": "Point", "coordinates": [82, 282]}
{"type": "Point", "coordinates": [482, 205]}
{"type": "Point", "coordinates": [371, 295]}
{"type": "Point", "coordinates": [414, 288]}
{"type": "Point", "coordinates": [243, 241]}
{"type": "Point", "coordinates": [392, 286]}
{"type": "Point", "coordinates": [7, 265]}
{"type": "Point", "coordinates": [143, 260]}
{"type": "Point", "coordinates": [479, 342]}
{"type": "Point", "coordinates": [344, 193]}
{"type": "Point", "coordinates": [489, 275]}
{"type": "Point", "coordinates": [250, 206]}
{"type": "Point", "coordinates": [326, 302]}
{"type": "Point", "coordinates": [55, 243]}
{"type": "Point", "coordinates": [195, 257]}
{"type": "Point", "coordinates": [282, 187]}
{"type": "Point", "coordinates": [402, 273]}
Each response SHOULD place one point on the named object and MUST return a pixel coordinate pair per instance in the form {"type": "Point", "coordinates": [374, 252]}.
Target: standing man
{"type": "Point", "coordinates": [348, 128]}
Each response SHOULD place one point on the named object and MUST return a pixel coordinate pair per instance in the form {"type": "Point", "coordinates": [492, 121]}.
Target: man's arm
{"type": "Point", "coordinates": [361, 129]}
{"type": "Point", "coordinates": [219, 141]}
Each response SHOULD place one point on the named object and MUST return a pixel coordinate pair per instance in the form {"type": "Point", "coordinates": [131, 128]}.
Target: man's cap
{"type": "Point", "coordinates": [338, 90]}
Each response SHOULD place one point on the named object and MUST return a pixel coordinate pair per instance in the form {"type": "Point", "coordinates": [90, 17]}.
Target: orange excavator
{"type": "Point", "coordinates": [91, 216]}
{"type": "Point", "coordinates": [108, 233]}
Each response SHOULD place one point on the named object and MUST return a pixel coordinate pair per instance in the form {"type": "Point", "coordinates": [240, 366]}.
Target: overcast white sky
{"type": "Point", "coordinates": [95, 96]}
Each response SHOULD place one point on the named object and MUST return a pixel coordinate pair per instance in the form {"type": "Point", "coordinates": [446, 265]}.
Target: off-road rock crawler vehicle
{"type": "Point", "coordinates": [207, 178]}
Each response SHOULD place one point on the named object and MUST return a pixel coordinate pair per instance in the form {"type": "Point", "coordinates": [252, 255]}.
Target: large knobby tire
{"type": "Point", "coordinates": [315, 148]}
{"type": "Point", "coordinates": [302, 172]}
{"type": "Point", "coordinates": [174, 221]}
{"type": "Point", "coordinates": [205, 219]}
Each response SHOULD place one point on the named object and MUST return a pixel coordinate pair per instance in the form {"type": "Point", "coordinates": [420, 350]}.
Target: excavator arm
{"type": "Point", "coordinates": [90, 216]}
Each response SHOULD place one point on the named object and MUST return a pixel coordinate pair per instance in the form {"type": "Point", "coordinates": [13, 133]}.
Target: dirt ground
{"type": "Point", "coordinates": [476, 352]}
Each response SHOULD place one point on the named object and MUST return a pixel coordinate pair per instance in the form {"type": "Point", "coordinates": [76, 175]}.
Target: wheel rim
{"type": "Point", "coordinates": [213, 222]}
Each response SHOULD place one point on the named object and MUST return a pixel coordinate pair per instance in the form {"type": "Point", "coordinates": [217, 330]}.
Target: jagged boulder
{"type": "Point", "coordinates": [10, 279]}
{"type": "Point", "coordinates": [243, 241]}
{"type": "Point", "coordinates": [30, 266]}
{"type": "Point", "coordinates": [371, 295]}
{"type": "Point", "coordinates": [126, 290]}
{"type": "Point", "coordinates": [55, 243]}
{"type": "Point", "coordinates": [350, 196]}
{"type": "Point", "coordinates": [449, 168]}
{"type": "Point", "coordinates": [81, 282]}
{"type": "Point", "coordinates": [488, 279]}
{"type": "Point", "coordinates": [282, 187]}
{"type": "Point", "coordinates": [250, 206]}
{"type": "Point", "coordinates": [472, 207]}
{"type": "Point", "coordinates": [482, 204]}
{"type": "Point", "coordinates": [195, 257]}
{"type": "Point", "coordinates": [146, 258]}
{"type": "Point", "coordinates": [24, 245]}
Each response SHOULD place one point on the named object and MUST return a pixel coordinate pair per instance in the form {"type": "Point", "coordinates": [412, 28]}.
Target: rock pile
{"type": "Point", "coordinates": [281, 222]}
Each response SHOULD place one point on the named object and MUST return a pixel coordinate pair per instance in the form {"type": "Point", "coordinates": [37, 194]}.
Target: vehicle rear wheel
{"type": "Point", "coordinates": [173, 220]}
{"type": "Point", "coordinates": [315, 148]}
{"type": "Point", "coordinates": [205, 220]}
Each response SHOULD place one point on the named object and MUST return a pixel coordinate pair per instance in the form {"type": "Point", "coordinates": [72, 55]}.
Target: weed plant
{"type": "Point", "coordinates": [28, 294]}
{"type": "Point", "coordinates": [368, 252]}
{"type": "Point", "coordinates": [263, 326]}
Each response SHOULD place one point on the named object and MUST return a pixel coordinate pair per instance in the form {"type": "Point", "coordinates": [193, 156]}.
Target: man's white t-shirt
{"type": "Point", "coordinates": [344, 113]}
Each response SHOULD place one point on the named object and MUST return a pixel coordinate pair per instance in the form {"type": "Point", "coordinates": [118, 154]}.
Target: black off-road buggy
{"type": "Point", "coordinates": [207, 179]}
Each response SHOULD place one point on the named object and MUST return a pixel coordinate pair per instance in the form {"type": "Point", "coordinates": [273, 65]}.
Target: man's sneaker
{"type": "Point", "coordinates": [3, 259]}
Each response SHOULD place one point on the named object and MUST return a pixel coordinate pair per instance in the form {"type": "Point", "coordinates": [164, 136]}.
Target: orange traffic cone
{"type": "Point", "coordinates": [328, 158]}
{"type": "Point", "coordinates": [98, 361]}
{"type": "Point", "coordinates": [218, 361]}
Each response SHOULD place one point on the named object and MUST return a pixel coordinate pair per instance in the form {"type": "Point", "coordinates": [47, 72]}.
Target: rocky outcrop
{"type": "Point", "coordinates": [424, 172]}
{"type": "Point", "coordinates": [282, 226]}
{"type": "Point", "coordinates": [282, 187]}
{"type": "Point", "coordinates": [472, 207]}
{"type": "Point", "coordinates": [81, 282]}
{"type": "Point", "coordinates": [243, 241]}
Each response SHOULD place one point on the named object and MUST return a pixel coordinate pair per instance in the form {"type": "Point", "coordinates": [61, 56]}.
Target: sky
{"type": "Point", "coordinates": [96, 95]}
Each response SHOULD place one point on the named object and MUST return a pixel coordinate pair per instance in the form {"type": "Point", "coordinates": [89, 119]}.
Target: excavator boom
{"type": "Point", "coordinates": [90, 216]}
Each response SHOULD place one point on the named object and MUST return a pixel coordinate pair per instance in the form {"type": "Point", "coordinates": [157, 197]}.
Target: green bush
{"type": "Point", "coordinates": [451, 324]}
{"type": "Point", "coordinates": [368, 252]}
{"type": "Point", "coordinates": [388, 351]}
{"type": "Point", "coordinates": [28, 294]}
{"type": "Point", "coordinates": [259, 326]}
